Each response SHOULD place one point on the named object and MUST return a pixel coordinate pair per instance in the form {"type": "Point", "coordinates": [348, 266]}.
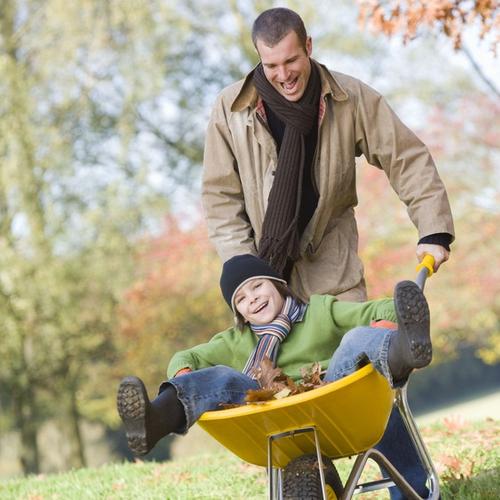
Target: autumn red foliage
{"type": "Point", "coordinates": [446, 16]}
{"type": "Point", "coordinates": [464, 295]}
{"type": "Point", "coordinates": [174, 303]}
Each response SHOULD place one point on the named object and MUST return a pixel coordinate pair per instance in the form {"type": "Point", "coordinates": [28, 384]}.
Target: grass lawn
{"type": "Point", "coordinates": [466, 455]}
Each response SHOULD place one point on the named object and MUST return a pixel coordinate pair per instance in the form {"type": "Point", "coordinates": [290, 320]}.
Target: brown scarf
{"type": "Point", "coordinates": [280, 238]}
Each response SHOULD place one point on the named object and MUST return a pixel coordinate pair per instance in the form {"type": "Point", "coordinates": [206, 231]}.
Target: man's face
{"type": "Point", "coordinates": [258, 301]}
{"type": "Point", "coordinates": [287, 65]}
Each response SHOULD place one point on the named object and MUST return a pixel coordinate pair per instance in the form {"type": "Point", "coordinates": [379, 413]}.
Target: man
{"type": "Point", "coordinates": [279, 166]}
{"type": "Point", "coordinates": [279, 178]}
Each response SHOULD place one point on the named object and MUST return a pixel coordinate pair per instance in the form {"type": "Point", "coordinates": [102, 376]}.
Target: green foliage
{"type": "Point", "coordinates": [71, 203]}
{"type": "Point", "coordinates": [97, 129]}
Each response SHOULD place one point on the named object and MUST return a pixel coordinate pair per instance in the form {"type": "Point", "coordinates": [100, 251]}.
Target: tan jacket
{"type": "Point", "coordinates": [241, 156]}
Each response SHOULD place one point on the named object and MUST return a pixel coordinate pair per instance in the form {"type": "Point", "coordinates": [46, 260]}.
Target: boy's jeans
{"type": "Point", "coordinates": [205, 389]}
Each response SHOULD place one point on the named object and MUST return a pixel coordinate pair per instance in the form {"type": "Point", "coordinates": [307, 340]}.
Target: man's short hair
{"type": "Point", "coordinates": [273, 25]}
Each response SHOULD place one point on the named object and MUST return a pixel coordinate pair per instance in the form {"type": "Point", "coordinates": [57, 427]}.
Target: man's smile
{"type": "Point", "coordinates": [287, 86]}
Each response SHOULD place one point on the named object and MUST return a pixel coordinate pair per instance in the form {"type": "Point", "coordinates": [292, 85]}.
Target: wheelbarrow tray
{"type": "Point", "coordinates": [349, 415]}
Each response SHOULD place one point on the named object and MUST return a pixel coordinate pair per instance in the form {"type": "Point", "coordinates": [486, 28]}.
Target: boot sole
{"type": "Point", "coordinates": [132, 401]}
{"type": "Point", "coordinates": [414, 321]}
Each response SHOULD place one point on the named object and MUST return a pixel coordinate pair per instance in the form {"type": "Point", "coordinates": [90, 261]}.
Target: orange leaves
{"type": "Point", "coordinates": [275, 380]}
{"type": "Point", "coordinates": [257, 395]}
{"type": "Point", "coordinates": [175, 301]}
{"type": "Point", "coordinates": [380, 20]}
{"type": "Point", "coordinates": [177, 264]}
{"type": "Point", "coordinates": [454, 424]}
{"type": "Point", "coordinates": [447, 16]}
{"type": "Point", "coordinates": [471, 447]}
{"type": "Point", "coordinates": [454, 467]}
{"type": "Point", "coordinates": [267, 375]}
{"type": "Point", "coordinates": [311, 377]}
{"type": "Point", "coordinates": [168, 259]}
{"type": "Point", "coordinates": [274, 384]}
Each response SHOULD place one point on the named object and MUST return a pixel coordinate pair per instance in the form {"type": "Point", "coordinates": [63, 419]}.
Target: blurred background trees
{"type": "Point", "coordinates": [105, 266]}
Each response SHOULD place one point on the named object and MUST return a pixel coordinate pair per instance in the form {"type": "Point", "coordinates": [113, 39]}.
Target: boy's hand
{"type": "Point", "coordinates": [182, 371]}
{"type": "Point", "coordinates": [384, 323]}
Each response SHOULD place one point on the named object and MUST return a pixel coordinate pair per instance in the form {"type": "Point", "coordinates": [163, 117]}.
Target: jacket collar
{"type": "Point", "coordinates": [248, 97]}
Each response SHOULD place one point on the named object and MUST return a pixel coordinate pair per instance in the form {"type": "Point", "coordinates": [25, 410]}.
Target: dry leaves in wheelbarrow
{"type": "Point", "coordinates": [274, 384]}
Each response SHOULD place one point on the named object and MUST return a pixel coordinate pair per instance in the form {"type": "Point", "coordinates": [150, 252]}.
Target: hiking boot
{"type": "Point", "coordinates": [411, 347]}
{"type": "Point", "coordinates": [133, 407]}
{"type": "Point", "coordinates": [147, 422]}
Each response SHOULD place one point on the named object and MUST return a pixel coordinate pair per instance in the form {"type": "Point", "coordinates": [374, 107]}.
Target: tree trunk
{"type": "Point", "coordinates": [25, 415]}
{"type": "Point", "coordinates": [76, 457]}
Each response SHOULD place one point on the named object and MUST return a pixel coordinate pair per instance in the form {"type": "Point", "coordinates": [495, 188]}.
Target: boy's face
{"type": "Point", "coordinates": [258, 301]}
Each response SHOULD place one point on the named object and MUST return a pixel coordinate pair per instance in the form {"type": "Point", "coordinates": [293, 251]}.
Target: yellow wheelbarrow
{"type": "Point", "coordinates": [297, 437]}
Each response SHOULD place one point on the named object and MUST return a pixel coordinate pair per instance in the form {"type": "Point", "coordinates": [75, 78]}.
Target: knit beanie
{"type": "Point", "coordinates": [240, 269]}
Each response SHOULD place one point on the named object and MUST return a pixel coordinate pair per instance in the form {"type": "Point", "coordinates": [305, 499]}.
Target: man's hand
{"type": "Point", "coordinates": [439, 253]}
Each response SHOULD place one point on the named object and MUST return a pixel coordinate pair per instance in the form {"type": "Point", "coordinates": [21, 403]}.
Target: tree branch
{"type": "Point", "coordinates": [479, 71]}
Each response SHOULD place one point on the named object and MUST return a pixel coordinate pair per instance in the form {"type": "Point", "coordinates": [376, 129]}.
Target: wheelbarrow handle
{"type": "Point", "coordinates": [425, 270]}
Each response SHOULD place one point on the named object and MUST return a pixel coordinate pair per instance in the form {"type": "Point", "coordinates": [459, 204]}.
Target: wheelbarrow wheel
{"type": "Point", "coordinates": [301, 479]}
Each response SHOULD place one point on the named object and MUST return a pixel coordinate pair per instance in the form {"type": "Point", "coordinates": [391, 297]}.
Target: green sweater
{"type": "Point", "coordinates": [313, 339]}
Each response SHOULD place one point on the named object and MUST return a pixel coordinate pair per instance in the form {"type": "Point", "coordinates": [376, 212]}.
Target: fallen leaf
{"type": "Point", "coordinates": [283, 393]}
{"type": "Point", "coordinates": [454, 423]}
{"type": "Point", "coordinates": [312, 375]}
{"type": "Point", "coordinates": [265, 373]}
{"type": "Point", "coordinates": [119, 484]}
{"type": "Point", "coordinates": [259, 395]}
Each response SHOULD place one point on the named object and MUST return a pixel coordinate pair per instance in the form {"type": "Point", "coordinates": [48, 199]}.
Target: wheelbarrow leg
{"type": "Point", "coordinates": [273, 474]}
{"type": "Point", "coordinates": [404, 409]}
{"type": "Point", "coordinates": [351, 488]}
{"type": "Point", "coordinates": [279, 484]}
{"type": "Point", "coordinates": [396, 479]}
{"type": "Point", "coordinates": [275, 483]}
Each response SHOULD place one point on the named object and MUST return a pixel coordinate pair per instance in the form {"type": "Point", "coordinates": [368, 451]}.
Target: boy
{"type": "Point", "coordinates": [273, 323]}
